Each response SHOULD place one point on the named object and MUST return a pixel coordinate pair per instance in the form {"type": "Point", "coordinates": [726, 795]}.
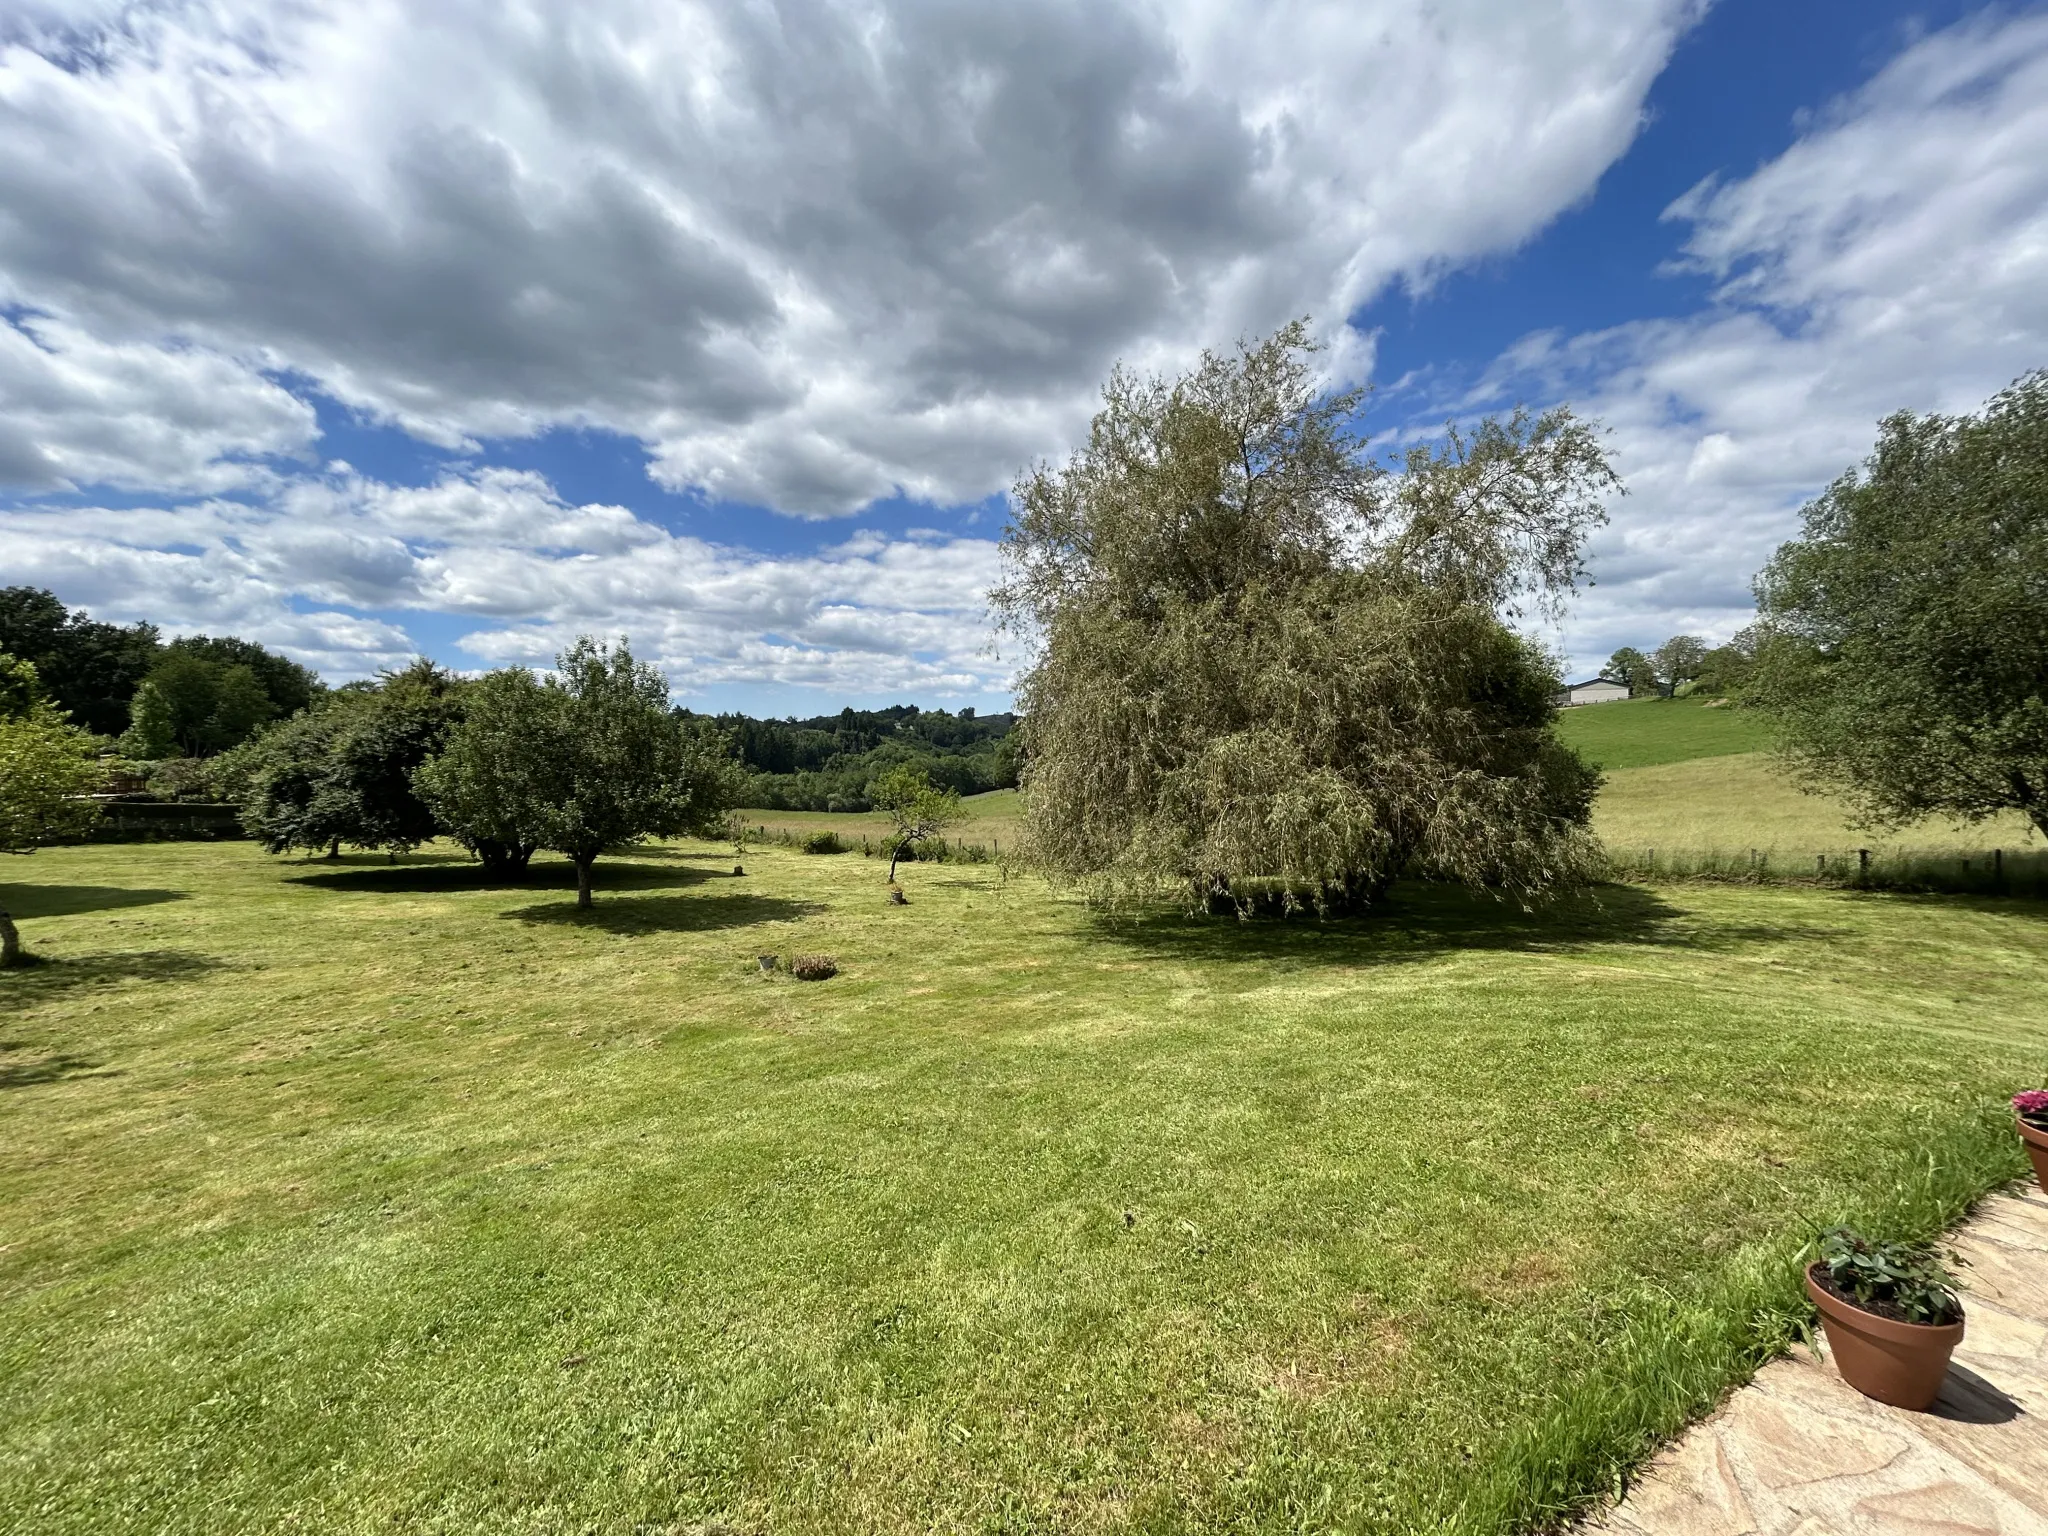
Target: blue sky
{"type": "Point", "coordinates": [452, 330]}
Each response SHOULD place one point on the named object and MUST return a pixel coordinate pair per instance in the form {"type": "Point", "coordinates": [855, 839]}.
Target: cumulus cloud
{"type": "Point", "coordinates": [1895, 257]}
{"type": "Point", "coordinates": [809, 251]}
{"type": "Point", "coordinates": [76, 411]}
{"type": "Point", "coordinates": [502, 550]}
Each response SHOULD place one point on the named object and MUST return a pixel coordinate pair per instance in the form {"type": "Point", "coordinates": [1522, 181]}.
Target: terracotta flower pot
{"type": "Point", "coordinates": [2037, 1149]}
{"type": "Point", "coordinates": [1902, 1364]}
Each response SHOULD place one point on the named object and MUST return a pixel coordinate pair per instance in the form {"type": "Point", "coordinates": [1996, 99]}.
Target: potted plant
{"type": "Point", "coordinates": [2031, 1110]}
{"type": "Point", "coordinates": [1890, 1313]}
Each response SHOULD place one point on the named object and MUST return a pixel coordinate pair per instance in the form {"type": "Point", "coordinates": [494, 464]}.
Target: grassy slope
{"type": "Point", "coordinates": [369, 1198]}
{"type": "Point", "coordinates": [1637, 733]}
{"type": "Point", "coordinates": [1689, 776]}
{"type": "Point", "coordinates": [1725, 804]}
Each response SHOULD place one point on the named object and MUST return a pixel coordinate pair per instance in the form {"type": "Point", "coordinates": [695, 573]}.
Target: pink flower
{"type": "Point", "coordinates": [2031, 1103]}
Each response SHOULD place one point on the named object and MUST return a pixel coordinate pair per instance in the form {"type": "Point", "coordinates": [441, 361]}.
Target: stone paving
{"type": "Point", "coordinates": [1798, 1453]}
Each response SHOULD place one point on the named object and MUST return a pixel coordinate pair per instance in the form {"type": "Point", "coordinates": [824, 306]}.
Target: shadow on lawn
{"type": "Point", "coordinates": [667, 914]}
{"type": "Point", "coordinates": [70, 900]}
{"type": "Point", "coordinates": [46, 976]}
{"type": "Point", "coordinates": [48, 1069]}
{"type": "Point", "coordinates": [445, 874]}
{"type": "Point", "coordinates": [1421, 920]}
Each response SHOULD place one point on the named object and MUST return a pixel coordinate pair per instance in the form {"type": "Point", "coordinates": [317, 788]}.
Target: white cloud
{"type": "Point", "coordinates": [503, 550]}
{"type": "Point", "coordinates": [75, 411]}
{"type": "Point", "coordinates": [807, 251]}
{"type": "Point", "coordinates": [1895, 257]}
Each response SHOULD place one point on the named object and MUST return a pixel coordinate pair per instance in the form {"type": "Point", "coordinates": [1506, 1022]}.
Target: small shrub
{"type": "Point", "coordinates": [180, 778]}
{"type": "Point", "coordinates": [813, 967]}
{"type": "Point", "coordinates": [824, 842]}
{"type": "Point", "coordinates": [1903, 1281]}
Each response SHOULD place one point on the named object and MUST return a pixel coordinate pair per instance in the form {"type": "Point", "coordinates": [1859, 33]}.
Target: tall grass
{"type": "Point", "coordinates": [936, 850]}
{"type": "Point", "coordinates": [1997, 872]}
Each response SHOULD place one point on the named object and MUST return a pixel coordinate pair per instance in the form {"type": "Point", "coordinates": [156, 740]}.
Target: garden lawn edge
{"type": "Point", "coordinates": [1676, 1356]}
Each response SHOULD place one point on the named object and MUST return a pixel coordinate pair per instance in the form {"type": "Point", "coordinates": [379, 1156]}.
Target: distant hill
{"type": "Point", "coordinates": [1637, 733]}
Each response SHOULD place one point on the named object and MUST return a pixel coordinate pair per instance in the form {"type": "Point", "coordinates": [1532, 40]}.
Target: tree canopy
{"type": "Point", "coordinates": [88, 669]}
{"type": "Point", "coordinates": [1631, 666]}
{"type": "Point", "coordinates": [587, 760]}
{"type": "Point", "coordinates": [190, 706]}
{"type": "Point", "coordinates": [916, 807]}
{"type": "Point", "coordinates": [1678, 661]}
{"type": "Point", "coordinates": [341, 772]}
{"type": "Point", "coordinates": [1903, 649]}
{"type": "Point", "coordinates": [47, 767]}
{"type": "Point", "coordinates": [1268, 671]}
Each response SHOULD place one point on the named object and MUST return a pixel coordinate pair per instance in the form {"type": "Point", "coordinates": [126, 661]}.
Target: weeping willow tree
{"type": "Point", "coordinates": [1271, 674]}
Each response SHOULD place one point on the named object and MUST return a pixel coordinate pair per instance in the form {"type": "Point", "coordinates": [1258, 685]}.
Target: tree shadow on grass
{"type": "Point", "coordinates": [668, 914]}
{"type": "Point", "coordinates": [32, 901]}
{"type": "Point", "coordinates": [46, 1069]}
{"type": "Point", "coordinates": [45, 976]}
{"type": "Point", "coordinates": [2016, 905]}
{"type": "Point", "coordinates": [1421, 920]}
{"type": "Point", "coordinates": [465, 875]}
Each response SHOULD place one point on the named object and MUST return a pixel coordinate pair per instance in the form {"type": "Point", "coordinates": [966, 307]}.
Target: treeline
{"type": "Point", "coordinates": [191, 697]}
{"type": "Point", "coordinates": [171, 706]}
{"type": "Point", "coordinates": [832, 762]}
{"type": "Point", "coordinates": [1686, 664]}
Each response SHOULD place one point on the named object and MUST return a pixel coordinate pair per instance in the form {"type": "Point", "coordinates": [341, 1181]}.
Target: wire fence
{"type": "Point", "coordinates": [1991, 872]}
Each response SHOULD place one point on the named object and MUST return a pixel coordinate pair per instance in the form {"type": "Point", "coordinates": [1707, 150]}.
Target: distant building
{"type": "Point", "coordinates": [1598, 690]}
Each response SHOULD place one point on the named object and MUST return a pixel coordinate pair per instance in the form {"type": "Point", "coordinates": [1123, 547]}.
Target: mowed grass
{"type": "Point", "coordinates": [370, 1197]}
{"type": "Point", "coordinates": [1637, 733]}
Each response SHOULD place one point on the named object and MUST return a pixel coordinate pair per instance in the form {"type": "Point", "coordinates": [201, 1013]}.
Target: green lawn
{"type": "Point", "coordinates": [371, 1198]}
{"type": "Point", "coordinates": [1637, 733]}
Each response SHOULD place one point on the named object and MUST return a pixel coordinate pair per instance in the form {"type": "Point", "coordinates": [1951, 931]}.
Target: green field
{"type": "Point", "coordinates": [1683, 777]}
{"type": "Point", "coordinates": [1639, 733]}
{"type": "Point", "coordinates": [1734, 803]}
{"type": "Point", "coordinates": [369, 1197]}
{"type": "Point", "coordinates": [990, 819]}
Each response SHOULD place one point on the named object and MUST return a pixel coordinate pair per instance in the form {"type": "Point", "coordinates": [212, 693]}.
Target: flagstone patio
{"type": "Point", "coordinates": [1798, 1453]}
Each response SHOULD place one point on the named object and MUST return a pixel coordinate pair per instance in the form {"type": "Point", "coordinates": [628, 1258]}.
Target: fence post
{"type": "Point", "coordinates": [1998, 868]}
{"type": "Point", "coordinates": [1820, 864]}
{"type": "Point", "coordinates": [1863, 864]}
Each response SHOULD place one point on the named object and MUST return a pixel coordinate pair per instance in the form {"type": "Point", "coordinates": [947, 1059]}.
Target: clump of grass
{"type": "Point", "coordinates": [813, 967]}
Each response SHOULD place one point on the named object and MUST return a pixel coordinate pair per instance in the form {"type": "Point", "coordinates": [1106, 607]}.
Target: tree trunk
{"type": "Point", "coordinates": [2032, 804]}
{"type": "Point", "coordinates": [334, 849]}
{"type": "Point", "coordinates": [503, 860]}
{"type": "Point", "coordinates": [583, 864]}
{"type": "Point", "coordinates": [900, 847]}
{"type": "Point", "coordinates": [10, 942]}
